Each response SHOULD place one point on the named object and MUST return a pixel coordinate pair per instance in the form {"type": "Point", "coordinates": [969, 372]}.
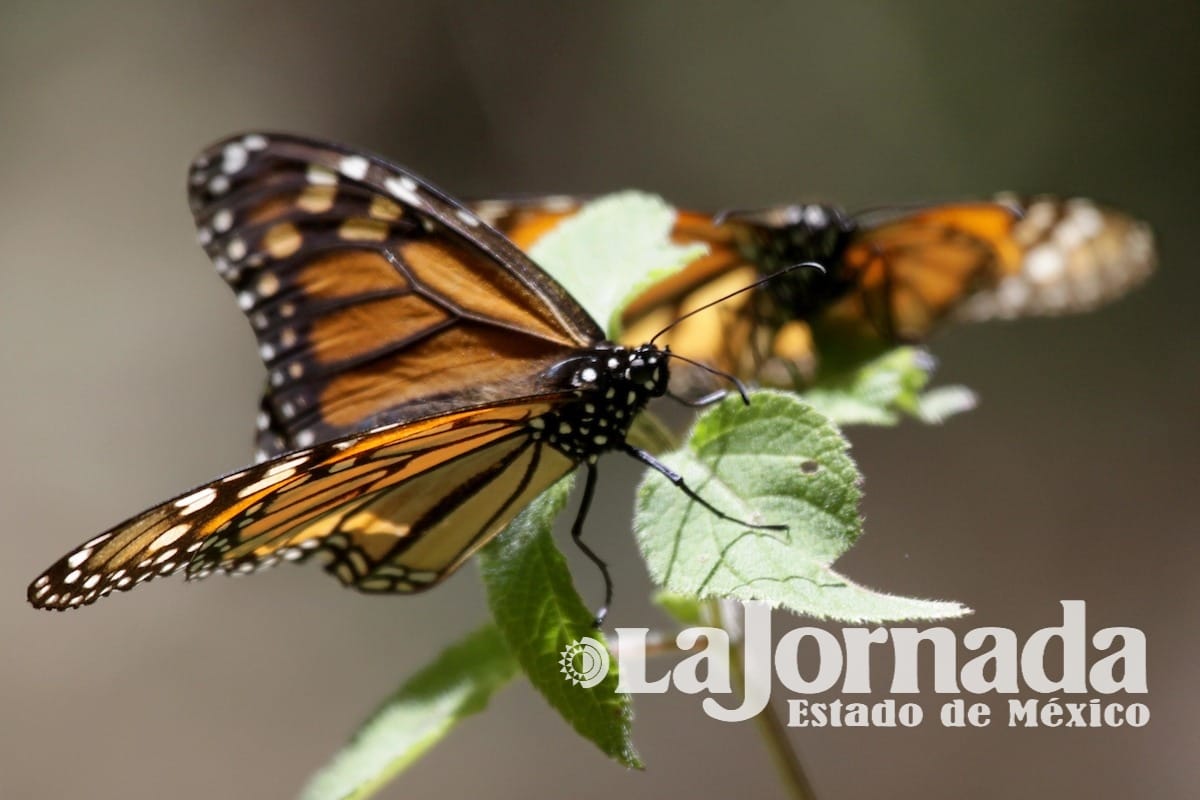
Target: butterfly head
{"type": "Point", "coordinates": [810, 217]}
{"type": "Point", "coordinates": [640, 371]}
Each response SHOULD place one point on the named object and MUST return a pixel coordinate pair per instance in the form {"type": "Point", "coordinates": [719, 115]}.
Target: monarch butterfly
{"type": "Point", "coordinates": [894, 276]}
{"type": "Point", "coordinates": [426, 382]}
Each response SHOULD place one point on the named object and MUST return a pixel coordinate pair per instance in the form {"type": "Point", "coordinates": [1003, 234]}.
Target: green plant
{"type": "Point", "coordinates": [782, 459]}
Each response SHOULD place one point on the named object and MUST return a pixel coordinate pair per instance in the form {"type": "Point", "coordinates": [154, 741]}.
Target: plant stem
{"type": "Point", "coordinates": [774, 733]}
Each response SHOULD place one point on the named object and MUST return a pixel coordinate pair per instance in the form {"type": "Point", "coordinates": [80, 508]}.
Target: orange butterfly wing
{"type": "Point", "coordinates": [722, 270]}
{"type": "Point", "coordinates": [1076, 255]}
{"type": "Point", "coordinates": [374, 297]}
{"type": "Point", "coordinates": [394, 509]}
{"type": "Point", "coordinates": [892, 277]}
{"type": "Point", "coordinates": [907, 275]}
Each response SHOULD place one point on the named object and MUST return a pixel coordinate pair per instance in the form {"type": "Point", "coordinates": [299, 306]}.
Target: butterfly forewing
{"type": "Point", "coordinates": [393, 510]}
{"type": "Point", "coordinates": [375, 298]}
{"type": "Point", "coordinates": [1076, 255]}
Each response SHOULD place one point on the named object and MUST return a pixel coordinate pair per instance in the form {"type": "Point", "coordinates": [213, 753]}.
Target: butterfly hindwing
{"type": "Point", "coordinates": [393, 510]}
{"type": "Point", "coordinates": [905, 276]}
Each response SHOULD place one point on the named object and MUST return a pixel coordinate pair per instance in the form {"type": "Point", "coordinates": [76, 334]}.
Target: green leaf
{"type": "Point", "coordinates": [883, 389]}
{"type": "Point", "coordinates": [778, 462]}
{"type": "Point", "coordinates": [422, 711]}
{"type": "Point", "coordinates": [540, 614]}
{"type": "Point", "coordinates": [610, 251]}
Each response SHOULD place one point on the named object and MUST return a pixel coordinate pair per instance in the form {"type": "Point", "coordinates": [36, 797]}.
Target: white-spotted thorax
{"type": "Point", "coordinates": [612, 385]}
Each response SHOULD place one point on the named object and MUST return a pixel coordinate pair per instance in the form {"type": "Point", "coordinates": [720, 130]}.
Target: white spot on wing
{"type": "Point", "coordinates": [168, 537]}
{"type": "Point", "coordinates": [165, 555]}
{"type": "Point", "coordinates": [233, 158]}
{"type": "Point", "coordinates": [197, 500]}
{"type": "Point", "coordinates": [404, 188]}
{"type": "Point", "coordinates": [354, 167]}
{"type": "Point", "coordinates": [104, 537]}
{"type": "Point", "coordinates": [286, 465]}
{"type": "Point", "coordinates": [236, 249]}
{"type": "Point", "coordinates": [1044, 263]}
{"type": "Point", "coordinates": [265, 483]}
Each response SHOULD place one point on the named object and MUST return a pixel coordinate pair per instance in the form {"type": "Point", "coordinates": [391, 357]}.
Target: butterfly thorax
{"type": "Point", "coordinates": [611, 385]}
{"type": "Point", "coordinates": [781, 237]}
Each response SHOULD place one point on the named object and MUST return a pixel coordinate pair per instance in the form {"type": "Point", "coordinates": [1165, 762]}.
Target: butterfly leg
{"type": "Point", "coordinates": [700, 402]}
{"type": "Point", "coordinates": [589, 490]}
{"type": "Point", "coordinates": [677, 479]}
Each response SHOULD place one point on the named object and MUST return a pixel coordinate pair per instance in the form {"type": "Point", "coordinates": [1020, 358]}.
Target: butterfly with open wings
{"type": "Point", "coordinates": [894, 276]}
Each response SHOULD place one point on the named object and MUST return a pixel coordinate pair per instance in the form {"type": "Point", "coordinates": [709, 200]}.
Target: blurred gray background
{"type": "Point", "coordinates": [129, 374]}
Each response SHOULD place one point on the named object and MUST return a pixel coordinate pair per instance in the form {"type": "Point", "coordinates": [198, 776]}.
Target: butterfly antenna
{"type": "Point", "coordinates": [744, 289]}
